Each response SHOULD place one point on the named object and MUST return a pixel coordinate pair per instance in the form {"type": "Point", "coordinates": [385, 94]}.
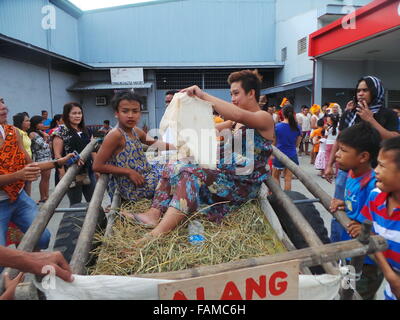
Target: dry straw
{"type": "Point", "coordinates": [244, 233]}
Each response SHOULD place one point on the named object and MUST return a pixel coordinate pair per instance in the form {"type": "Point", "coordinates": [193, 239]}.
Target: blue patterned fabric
{"type": "Point", "coordinates": [133, 157]}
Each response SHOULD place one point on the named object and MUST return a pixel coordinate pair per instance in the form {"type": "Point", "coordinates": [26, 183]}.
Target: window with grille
{"type": "Point", "coordinates": [393, 98]}
{"type": "Point", "coordinates": [178, 79]}
{"type": "Point", "coordinates": [302, 45]}
{"type": "Point", "coordinates": [206, 79]}
{"type": "Point", "coordinates": [284, 54]}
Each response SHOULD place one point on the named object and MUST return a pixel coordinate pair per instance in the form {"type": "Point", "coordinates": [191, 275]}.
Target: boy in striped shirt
{"type": "Point", "coordinates": [383, 209]}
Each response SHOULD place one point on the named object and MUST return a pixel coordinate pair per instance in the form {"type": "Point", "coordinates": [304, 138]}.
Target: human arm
{"type": "Point", "coordinates": [354, 228]}
{"type": "Point", "coordinates": [30, 172]}
{"type": "Point", "coordinates": [111, 144]}
{"type": "Point", "coordinates": [224, 125]}
{"type": "Point", "coordinates": [366, 114]}
{"type": "Point", "coordinates": [336, 205]}
{"type": "Point", "coordinates": [299, 119]}
{"type": "Point", "coordinates": [391, 277]}
{"type": "Point", "coordinates": [298, 141]}
{"type": "Point", "coordinates": [58, 148]}
{"type": "Point", "coordinates": [11, 285]}
{"type": "Point", "coordinates": [33, 262]}
{"type": "Point", "coordinates": [52, 164]}
{"type": "Point", "coordinates": [260, 120]}
{"type": "Point", "coordinates": [313, 123]}
{"type": "Point", "coordinates": [150, 141]}
{"type": "Point", "coordinates": [28, 158]}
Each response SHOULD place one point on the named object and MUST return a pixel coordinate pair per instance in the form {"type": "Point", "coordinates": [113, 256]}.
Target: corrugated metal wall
{"type": "Point", "coordinates": [22, 20]}
{"type": "Point", "coordinates": [181, 31]}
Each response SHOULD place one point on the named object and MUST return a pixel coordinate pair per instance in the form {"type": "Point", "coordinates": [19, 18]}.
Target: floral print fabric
{"type": "Point", "coordinates": [236, 180]}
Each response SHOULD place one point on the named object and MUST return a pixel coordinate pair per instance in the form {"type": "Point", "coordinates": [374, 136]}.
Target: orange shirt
{"type": "Point", "coordinates": [12, 159]}
{"type": "Point", "coordinates": [316, 133]}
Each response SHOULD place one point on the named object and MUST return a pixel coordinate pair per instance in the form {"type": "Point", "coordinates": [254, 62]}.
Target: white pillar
{"type": "Point", "coordinates": [318, 83]}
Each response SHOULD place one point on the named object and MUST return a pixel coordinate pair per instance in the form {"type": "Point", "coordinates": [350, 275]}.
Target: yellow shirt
{"type": "Point", "coordinates": [218, 119]}
{"type": "Point", "coordinates": [26, 141]}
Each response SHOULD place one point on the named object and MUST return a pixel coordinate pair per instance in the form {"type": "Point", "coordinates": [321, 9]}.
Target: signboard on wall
{"type": "Point", "coordinates": [279, 281]}
{"type": "Point", "coordinates": [127, 76]}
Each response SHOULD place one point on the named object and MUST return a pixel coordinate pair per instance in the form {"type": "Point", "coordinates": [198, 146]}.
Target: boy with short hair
{"type": "Point", "coordinates": [358, 147]}
{"type": "Point", "coordinates": [383, 209]}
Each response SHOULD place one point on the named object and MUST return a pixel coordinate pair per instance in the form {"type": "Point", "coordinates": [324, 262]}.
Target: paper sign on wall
{"type": "Point", "coordinates": [127, 75]}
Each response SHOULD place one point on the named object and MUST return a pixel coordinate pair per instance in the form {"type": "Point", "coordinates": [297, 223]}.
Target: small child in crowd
{"type": "Point", "coordinates": [358, 147]}
{"type": "Point", "coordinates": [332, 132]}
{"type": "Point", "coordinates": [383, 209]}
{"type": "Point", "coordinates": [122, 155]}
{"type": "Point", "coordinates": [316, 136]}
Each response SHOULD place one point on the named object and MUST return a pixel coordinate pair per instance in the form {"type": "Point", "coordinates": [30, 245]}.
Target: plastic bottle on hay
{"type": "Point", "coordinates": [196, 233]}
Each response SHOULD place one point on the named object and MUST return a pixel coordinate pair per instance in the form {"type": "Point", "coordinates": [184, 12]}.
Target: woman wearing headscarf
{"type": "Point", "coordinates": [369, 106]}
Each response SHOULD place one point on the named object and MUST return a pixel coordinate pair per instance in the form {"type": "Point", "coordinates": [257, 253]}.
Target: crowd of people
{"type": "Point", "coordinates": [359, 146]}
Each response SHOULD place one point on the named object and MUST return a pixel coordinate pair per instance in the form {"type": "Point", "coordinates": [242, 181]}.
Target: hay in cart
{"type": "Point", "coordinates": [244, 233]}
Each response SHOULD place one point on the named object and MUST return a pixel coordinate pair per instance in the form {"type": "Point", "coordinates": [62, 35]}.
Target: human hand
{"type": "Point", "coordinates": [194, 91]}
{"type": "Point", "coordinates": [395, 286]}
{"type": "Point", "coordinates": [34, 262]}
{"type": "Point", "coordinates": [62, 161]}
{"type": "Point", "coordinates": [46, 137]}
{"type": "Point", "coordinates": [11, 285]}
{"type": "Point", "coordinates": [329, 173]}
{"type": "Point", "coordinates": [30, 172]}
{"type": "Point", "coordinates": [354, 229]}
{"type": "Point", "coordinates": [336, 205]}
{"type": "Point", "coordinates": [364, 112]}
{"type": "Point", "coordinates": [136, 178]}
{"type": "Point", "coordinates": [350, 105]}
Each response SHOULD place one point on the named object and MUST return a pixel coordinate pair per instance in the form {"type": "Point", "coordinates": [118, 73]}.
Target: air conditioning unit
{"type": "Point", "coordinates": [101, 101]}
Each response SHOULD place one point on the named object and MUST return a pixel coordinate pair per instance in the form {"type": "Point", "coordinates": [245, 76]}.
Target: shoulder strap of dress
{"type": "Point", "coordinates": [123, 133]}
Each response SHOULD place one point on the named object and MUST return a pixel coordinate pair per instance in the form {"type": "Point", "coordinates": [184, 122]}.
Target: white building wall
{"type": "Point", "coordinates": [288, 32]}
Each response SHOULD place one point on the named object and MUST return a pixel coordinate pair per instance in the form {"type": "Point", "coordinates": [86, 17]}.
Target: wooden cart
{"type": "Point", "coordinates": [317, 253]}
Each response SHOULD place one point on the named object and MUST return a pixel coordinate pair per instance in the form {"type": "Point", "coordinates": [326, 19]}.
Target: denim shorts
{"type": "Point", "coordinates": [21, 212]}
{"type": "Point", "coordinates": [340, 184]}
{"type": "Point", "coordinates": [280, 166]}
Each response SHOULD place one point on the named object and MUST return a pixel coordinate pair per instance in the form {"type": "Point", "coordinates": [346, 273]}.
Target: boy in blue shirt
{"type": "Point", "coordinates": [358, 147]}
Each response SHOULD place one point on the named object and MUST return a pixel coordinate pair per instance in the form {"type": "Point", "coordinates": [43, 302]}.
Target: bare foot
{"type": "Point", "coordinates": [150, 218]}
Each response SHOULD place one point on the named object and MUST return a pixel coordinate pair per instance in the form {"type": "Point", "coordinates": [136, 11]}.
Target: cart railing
{"type": "Point", "coordinates": [317, 253]}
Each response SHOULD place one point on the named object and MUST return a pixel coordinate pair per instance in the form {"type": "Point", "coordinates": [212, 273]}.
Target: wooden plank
{"type": "Point", "coordinates": [279, 281]}
{"type": "Point", "coordinates": [299, 221]}
{"type": "Point", "coordinates": [308, 257]}
{"type": "Point", "coordinates": [358, 262]}
{"type": "Point", "coordinates": [84, 243]}
{"type": "Point", "coordinates": [116, 203]}
{"type": "Point", "coordinates": [273, 219]}
{"type": "Point", "coordinates": [32, 235]}
{"type": "Point", "coordinates": [311, 186]}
